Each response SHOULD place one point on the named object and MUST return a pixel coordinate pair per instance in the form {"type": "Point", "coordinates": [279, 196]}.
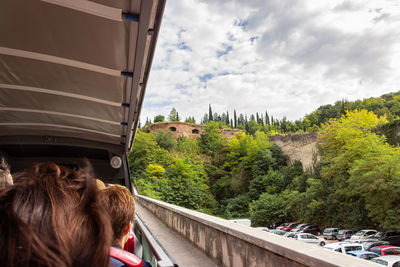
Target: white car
{"type": "Point", "coordinates": [390, 261]}
{"type": "Point", "coordinates": [289, 234]}
{"type": "Point", "coordinates": [344, 247]}
{"type": "Point", "coordinates": [309, 238]}
{"type": "Point", "coordinates": [363, 234]}
{"type": "Point", "coordinates": [246, 222]}
{"type": "Point", "coordinates": [263, 229]}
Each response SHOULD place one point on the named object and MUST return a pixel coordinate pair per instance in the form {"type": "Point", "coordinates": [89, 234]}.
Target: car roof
{"type": "Point", "coordinates": [361, 252]}
{"type": "Point", "coordinates": [76, 70]}
{"type": "Point", "coordinates": [389, 258]}
{"type": "Point", "coordinates": [341, 244]}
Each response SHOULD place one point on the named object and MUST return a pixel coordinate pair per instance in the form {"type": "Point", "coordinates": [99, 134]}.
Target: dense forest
{"type": "Point", "coordinates": [356, 184]}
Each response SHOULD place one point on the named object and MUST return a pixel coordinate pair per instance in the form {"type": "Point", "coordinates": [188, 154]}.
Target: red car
{"type": "Point", "coordinates": [290, 226]}
{"type": "Point", "coordinates": [386, 250]}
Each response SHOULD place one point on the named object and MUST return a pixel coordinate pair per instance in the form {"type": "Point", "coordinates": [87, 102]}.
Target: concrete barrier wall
{"type": "Point", "coordinates": [231, 244]}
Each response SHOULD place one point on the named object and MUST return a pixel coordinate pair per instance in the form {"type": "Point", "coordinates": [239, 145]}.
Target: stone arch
{"type": "Point", "coordinates": [172, 129]}
{"type": "Point", "coordinates": [195, 131]}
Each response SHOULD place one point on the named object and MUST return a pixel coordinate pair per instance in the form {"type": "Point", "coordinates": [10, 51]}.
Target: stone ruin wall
{"type": "Point", "coordinates": [302, 147]}
{"type": "Point", "coordinates": [186, 129]}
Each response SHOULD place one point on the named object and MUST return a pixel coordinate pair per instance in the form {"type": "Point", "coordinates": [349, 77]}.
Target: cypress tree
{"type": "Point", "coordinates": [234, 118]}
{"type": "Point", "coordinates": [266, 118]}
{"type": "Point", "coordinates": [227, 118]}
{"type": "Point", "coordinates": [231, 123]}
{"type": "Point", "coordinates": [210, 115]}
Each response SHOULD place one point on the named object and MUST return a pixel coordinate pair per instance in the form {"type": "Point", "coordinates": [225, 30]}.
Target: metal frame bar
{"type": "Point", "coordinates": [90, 8]}
{"type": "Point", "coordinates": [151, 12]}
{"type": "Point", "coordinates": [60, 93]}
{"type": "Point", "coordinates": [163, 258]}
{"type": "Point", "coordinates": [42, 111]}
{"type": "Point", "coordinates": [59, 60]}
{"type": "Point", "coordinates": [56, 126]}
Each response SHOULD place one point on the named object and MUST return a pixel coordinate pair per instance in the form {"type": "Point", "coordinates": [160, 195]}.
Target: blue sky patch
{"type": "Point", "coordinates": [220, 53]}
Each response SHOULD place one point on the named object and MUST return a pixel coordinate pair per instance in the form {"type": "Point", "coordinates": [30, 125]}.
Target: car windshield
{"type": "Point", "coordinates": [284, 224]}
{"type": "Point", "coordinates": [379, 234]}
{"type": "Point", "coordinates": [380, 261]}
{"type": "Point", "coordinates": [327, 231]}
{"type": "Point", "coordinates": [352, 248]}
{"type": "Point", "coordinates": [360, 233]}
{"type": "Point", "coordinates": [341, 232]}
{"type": "Point", "coordinates": [376, 250]}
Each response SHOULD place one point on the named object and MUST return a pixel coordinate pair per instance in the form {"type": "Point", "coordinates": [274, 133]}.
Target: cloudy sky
{"type": "Point", "coordinates": [284, 56]}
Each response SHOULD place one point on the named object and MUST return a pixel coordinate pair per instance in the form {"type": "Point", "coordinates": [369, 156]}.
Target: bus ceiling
{"type": "Point", "coordinates": [76, 68]}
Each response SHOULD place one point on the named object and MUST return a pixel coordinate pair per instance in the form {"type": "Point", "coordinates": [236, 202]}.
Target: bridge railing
{"type": "Point", "coordinates": [230, 244]}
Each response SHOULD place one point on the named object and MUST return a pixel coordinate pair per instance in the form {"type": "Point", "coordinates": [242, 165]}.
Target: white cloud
{"type": "Point", "coordinates": [284, 56]}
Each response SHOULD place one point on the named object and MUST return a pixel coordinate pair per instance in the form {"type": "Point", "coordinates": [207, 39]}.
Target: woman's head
{"type": "Point", "coordinates": [53, 217]}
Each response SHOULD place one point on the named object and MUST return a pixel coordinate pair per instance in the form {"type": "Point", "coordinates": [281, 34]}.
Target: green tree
{"type": "Point", "coordinates": [211, 140]}
{"type": "Point", "coordinates": [187, 186]}
{"type": "Point", "coordinates": [173, 115]}
{"type": "Point", "coordinates": [166, 141]}
{"type": "Point", "coordinates": [159, 118]}
{"type": "Point", "coordinates": [210, 114]}
{"type": "Point", "coordinates": [267, 209]}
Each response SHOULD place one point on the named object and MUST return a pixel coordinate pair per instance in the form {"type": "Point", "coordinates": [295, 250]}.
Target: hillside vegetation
{"type": "Point", "coordinates": [355, 185]}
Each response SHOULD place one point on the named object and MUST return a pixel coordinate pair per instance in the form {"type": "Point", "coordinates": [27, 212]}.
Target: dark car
{"type": "Point", "coordinates": [368, 244]}
{"type": "Point", "coordinates": [331, 233]}
{"type": "Point", "coordinates": [392, 237]}
{"type": "Point", "coordinates": [274, 225]}
{"type": "Point", "coordinates": [344, 234]}
{"type": "Point", "coordinates": [311, 229]}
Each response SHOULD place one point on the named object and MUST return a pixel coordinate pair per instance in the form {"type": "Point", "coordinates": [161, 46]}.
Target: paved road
{"type": "Point", "coordinates": [183, 252]}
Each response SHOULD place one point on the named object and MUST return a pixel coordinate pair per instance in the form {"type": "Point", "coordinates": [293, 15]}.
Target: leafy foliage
{"type": "Point", "coordinates": [355, 185]}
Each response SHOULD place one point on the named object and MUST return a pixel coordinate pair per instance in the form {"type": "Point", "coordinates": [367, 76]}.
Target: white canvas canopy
{"type": "Point", "coordinates": [76, 68]}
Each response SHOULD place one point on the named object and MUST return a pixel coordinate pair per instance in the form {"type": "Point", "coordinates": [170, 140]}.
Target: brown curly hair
{"type": "Point", "coordinates": [53, 217]}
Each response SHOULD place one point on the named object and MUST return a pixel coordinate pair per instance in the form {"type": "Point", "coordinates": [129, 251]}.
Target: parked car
{"type": "Point", "coordinates": [386, 250]}
{"type": "Point", "coordinates": [263, 229]}
{"type": "Point", "coordinates": [370, 244]}
{"type": "Point", "coordinates": [331, 233]}
{"type": "Point", "coordinates": [246, 222]}
{"type": "Point", "coordinates": [282, 226]}
{"type": "Point", "coordinates": [299, 227]}
{"type": "Point", "coordinates": [290, 226]}
{"type": "Point", "coordinates": [274, 225]}
{"type": "Point", "coordinates": [311, 229]}
{"type": "Point", "coordinates": [344, 234]}
{"type": "Point", "coordinates": [289, 234]}
{"type": "Point", "coordinates": [309, 238]}
{"type": "Point", "coordinates": [390, 261]}
{"type": "Point", "coordinates": [392, 237]}
{"type": "Point", "coordinates": [278, 232]}
{"type": "Point", "coordinates": [363, 234]}
{"type": "Point", "coordinates": [366, 255]}
{"type": "Point", "coordinates": [344, 247]}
